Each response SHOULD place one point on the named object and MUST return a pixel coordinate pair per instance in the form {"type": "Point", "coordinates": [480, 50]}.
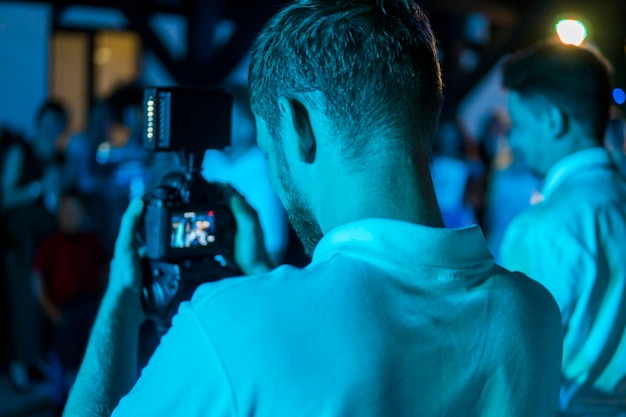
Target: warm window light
{"type": "Point", "coordinates": [571, 32]}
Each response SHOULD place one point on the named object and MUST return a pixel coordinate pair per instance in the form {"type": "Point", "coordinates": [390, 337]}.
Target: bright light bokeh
{"type": "Point", "coordinates": [571, 32]}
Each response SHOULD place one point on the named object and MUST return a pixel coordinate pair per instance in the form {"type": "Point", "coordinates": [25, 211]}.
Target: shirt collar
{"type": "Point", "coordinates": [404, 242]}
{"type": "Point", "coordinates": [574, 163]}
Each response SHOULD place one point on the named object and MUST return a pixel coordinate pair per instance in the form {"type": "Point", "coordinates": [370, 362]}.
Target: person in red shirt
{"type": "Point", "coordinates": [71, 267]}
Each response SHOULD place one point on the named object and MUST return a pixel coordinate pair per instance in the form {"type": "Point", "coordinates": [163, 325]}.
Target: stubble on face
{"type": "Point", "coordinates": [298, 209]}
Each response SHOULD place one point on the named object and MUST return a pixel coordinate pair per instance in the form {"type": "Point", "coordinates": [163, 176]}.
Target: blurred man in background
{"type": "Point", "coordinates": [31, 186]}
{"type": "Point", "coordinates": [574, 240]}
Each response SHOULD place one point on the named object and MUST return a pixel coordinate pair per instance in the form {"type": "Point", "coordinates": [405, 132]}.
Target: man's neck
{"type": "Point", "coordinates": [390, 190]}
{"type": "Point", "coordinates": [570, 146]}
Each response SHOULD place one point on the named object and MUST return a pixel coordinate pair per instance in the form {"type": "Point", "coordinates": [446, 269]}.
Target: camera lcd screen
{"type": "Point", "coordinates": [192, 229]}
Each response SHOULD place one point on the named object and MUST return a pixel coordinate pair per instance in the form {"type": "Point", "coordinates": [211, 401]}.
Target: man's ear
{"type": "Point", "coordinates": [298, 123]}
{"type": "Point", "coordinates": [556, 120]}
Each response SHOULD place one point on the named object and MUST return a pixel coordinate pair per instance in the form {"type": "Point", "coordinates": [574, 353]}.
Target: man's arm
{"type": "Point", "coordinates": [14, 195]}
{"type": "Point", "coordinates": [109, 368]}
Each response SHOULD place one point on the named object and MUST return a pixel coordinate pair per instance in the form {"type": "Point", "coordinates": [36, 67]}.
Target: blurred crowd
{"type": "Point", "coordinates": [62, 198]}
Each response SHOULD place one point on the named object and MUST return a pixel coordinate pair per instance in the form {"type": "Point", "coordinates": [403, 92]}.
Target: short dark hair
{"type": "Point", "coordinates": [574, 78]}
{"type": "Point", "coordinates": [374, 61]}
{"type": "Point", "coordinates": [56, 107]}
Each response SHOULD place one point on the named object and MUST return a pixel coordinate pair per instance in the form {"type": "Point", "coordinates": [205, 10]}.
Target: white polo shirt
{"type": "Point", "coordinates": [389, 319]}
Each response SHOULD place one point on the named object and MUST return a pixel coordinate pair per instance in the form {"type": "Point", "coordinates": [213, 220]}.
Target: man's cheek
{"type": "Point", "coordinates": [274, 175]}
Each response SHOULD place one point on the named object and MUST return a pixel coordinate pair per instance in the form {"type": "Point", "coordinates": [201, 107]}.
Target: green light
{"type": "Point", "coordinates": [571, 32]}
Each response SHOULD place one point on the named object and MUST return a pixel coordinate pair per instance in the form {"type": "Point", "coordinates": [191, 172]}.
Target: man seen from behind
{"type": "Point", "coordinates": [574, 240]}
{"type": "Point", "coordinates": [395, 315]}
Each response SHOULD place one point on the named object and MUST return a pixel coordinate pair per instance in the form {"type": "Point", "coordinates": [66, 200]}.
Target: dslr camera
{"type": "Point", "coordinates": [187, 228]}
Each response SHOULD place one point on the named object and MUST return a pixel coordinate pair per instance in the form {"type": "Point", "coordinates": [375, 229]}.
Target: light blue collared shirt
{"type": "Point", "coordinates": [574, 243]}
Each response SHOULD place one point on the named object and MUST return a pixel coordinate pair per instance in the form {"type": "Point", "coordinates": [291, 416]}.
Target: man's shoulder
{"type": "Point", "coordinates": [522, 295]}
{"type": "Point", "coordinates": [568, 209]}
{"type": "Point", "coordinates": [527, 315]}
{"type": "Point", "coordinates": [588, 191]}
{"type": "Point", "coordinates": [525, 339]}
{"type": "Point", "coordinates": [558, 214]}
{"type": "Point", "coordinates": [285, 283]}
{"type": "Point", "coordinates": [255, 289]}
{"type": "Point", "coordinates": [527, 230]}
{"type": "Point", "coordinates": [576, 206]}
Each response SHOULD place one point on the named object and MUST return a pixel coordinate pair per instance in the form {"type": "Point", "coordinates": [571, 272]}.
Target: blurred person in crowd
{"type": "Point", "coordinates": [81, 170]}
{"type": "Point", "coordinates": [126, 163]}
{"type": "Point", "coordinates": [574, 240]}
{"type": "Point", "coordinates": [70, 269]}
{"type": "Point", "coordinates": [244, 166]}
{"type": "Point", "coordinates": [31, 185]}
{"type": "Point", "coordinates": [395, 315]}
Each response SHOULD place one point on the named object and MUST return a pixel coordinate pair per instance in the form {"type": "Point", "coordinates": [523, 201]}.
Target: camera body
{"type": "Point", "coordinates": [187, 228]}
{"type": "Point", "coordinates": [178, 228]}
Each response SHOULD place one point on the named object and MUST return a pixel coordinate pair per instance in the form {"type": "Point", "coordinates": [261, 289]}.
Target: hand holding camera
{"type": "Point", "coordinates": [250, 251]}
{"type": "Point", "coordinates": [125, 277]}
{"type": "Point", "coordinates": [188, 226]}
